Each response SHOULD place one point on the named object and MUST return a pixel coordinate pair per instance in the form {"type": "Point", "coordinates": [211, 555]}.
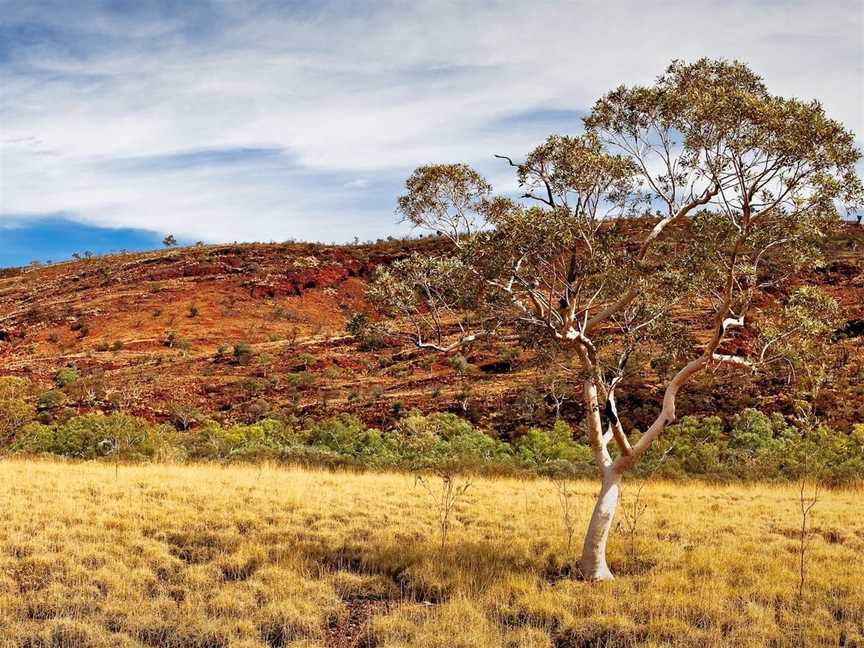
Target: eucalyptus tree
{"type": "Point", "coordinates": [637, 245]}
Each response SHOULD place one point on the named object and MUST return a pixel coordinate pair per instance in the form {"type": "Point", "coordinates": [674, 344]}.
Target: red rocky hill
{"type": "Point", "coordinates": [156, 332]}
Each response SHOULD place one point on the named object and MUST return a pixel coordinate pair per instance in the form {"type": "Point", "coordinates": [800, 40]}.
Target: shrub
{"type": "Point", "coordinates": [15, 413]}
{"type": "Point", "coordinates": [96, 435]}
{"type": "Point", "coordinates": [243, 353]}
{"type": "Point", "coordinates": [751, 446]}
{"type": "Point", "coordinates": [460, 365]}
{"type": "Point", "coordinates": [257, 410]}
{"type": "Point", "coordinates": [345, 434]}
{"type": "Point", "coordinates": [51, 399]}
{"type": "Point", "coordinates": [213, 441]}
{"type": "Point", "coordinates": [444, 439]}
{"type": "Point", "coordinates": [368, 338]}
{"type": "Point", "coordinates": [185, 416]}
{"type": "Point", "coordinates": [752, 431]}
{"type": "Point", "coordinates": [87, 389]}
{"type": "Point", "coordinates": [299, 380]}
{"type": "Point", "coordinates": [538, 447]}
{"type": "Point", "coordinates": [695, 446]}
{"type": "Point", "coordinates": [306, 360]}
{"type": "Point", "coordinates": [65, 376]}
{"type": "Point", "coordinates": [13, 387]}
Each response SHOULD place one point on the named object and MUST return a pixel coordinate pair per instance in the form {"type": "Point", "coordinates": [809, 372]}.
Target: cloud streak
{"type": "Point", "coordinates": [263, 120]}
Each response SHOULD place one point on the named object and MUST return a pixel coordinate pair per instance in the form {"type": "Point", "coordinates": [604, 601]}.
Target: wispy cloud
{"type": "Point", "coordinates": [267, 120]}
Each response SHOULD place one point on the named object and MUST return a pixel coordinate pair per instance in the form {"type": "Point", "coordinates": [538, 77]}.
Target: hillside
{"type": "Point", "coordinates": [156, 333]}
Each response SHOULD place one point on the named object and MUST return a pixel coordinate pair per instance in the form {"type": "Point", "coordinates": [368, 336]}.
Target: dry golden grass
{"type": "Point", "coordinates": [205, 556]}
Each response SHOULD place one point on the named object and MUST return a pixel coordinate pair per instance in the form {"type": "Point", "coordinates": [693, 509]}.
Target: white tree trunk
{"type": "Point", "coordinates": [593, 562]}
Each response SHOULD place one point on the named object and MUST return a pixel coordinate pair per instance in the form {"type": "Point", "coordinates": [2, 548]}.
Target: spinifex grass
{"type": "Point", "coordinates": [206, 556]}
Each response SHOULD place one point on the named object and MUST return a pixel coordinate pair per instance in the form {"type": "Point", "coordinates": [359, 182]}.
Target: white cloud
{"type": "Point", "coordinates": [354, 98]}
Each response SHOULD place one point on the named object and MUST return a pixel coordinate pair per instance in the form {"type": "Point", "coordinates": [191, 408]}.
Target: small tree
{"type": "Point", "coordinates": [15, 413]}
{"type": "Point", "coordinates": [566, 496]}
{"type": "Point", "coordinates": [749, 181]}
{"type": "Point", "coordinates": [449, 492]}
{"type": "Point", "coordinates": [633, 508]}
{"type": "Point", "coordinates": [169, 241]}
{"type": "Point", "coordinates": [185, 416]}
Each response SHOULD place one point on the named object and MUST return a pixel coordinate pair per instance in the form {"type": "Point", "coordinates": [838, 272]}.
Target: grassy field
{"type": "Point", "coordinates": [206, 556]}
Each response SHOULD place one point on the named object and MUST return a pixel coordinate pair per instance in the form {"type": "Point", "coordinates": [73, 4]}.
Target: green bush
{"type": "Point", "coordinates": [243, 353]}
{"type": "Point", "coordinates": [213, 441]}
{"type": "Point", "coordinates": [65, 376]}
{"type": "Point", "coordinates": [367, 336]}
{"type": "Point", "coordinates": [51, 399]}
{"type": "Point", "coordinates": [346, 435]}
{"type": "Point", "coordinates": [539, 447]}
{"type": "Point", "coordinates": [96, 435]}
{"type": "Point", "coordinates": [15, 413]}
{"type": "Point", "coordinates": [755, 446]}
{"type": "Point", "coordinates": [751, 446]}
{"type": "Point", "coordinates": [14, 387]}
{"type": "Point", "coordinates": [444, 438]}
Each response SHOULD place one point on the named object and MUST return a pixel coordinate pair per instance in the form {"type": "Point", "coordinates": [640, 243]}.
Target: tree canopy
{"type": "Point", "coordinates": [750, 182]}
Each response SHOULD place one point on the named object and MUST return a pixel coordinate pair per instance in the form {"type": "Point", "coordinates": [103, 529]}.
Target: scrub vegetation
{"type": "Point", "coordinates": [752, 446]}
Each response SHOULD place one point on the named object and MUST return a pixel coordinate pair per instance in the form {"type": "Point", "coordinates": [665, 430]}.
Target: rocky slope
{"type": "Point", "coordinates": [156, 333]}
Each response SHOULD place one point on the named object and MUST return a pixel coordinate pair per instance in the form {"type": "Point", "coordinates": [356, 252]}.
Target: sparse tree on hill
{"type": "Point", "coordinates": [169, 241]}
{"type": "Point", "coordinates": [750, 183]}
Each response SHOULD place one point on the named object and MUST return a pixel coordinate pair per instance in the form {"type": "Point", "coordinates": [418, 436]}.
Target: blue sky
{"type": "Point", "coordinates": [55, 238]}
{"type": "Point", "coordinates": [227, 120]}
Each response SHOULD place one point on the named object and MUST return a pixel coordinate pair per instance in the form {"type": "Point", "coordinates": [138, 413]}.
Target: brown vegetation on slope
{"type": "Point", "coordinates": [156, 331]}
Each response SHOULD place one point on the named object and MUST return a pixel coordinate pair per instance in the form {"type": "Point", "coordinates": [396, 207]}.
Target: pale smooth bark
{"type": "Point", "coordinates": [593, 561]}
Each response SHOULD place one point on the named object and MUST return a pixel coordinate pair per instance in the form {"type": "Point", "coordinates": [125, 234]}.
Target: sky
{"type": "Point", "coordinates": [259, 120]}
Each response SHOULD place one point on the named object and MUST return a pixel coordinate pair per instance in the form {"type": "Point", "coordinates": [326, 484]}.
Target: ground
{"type": "Point", "coordinates": [204, 556]}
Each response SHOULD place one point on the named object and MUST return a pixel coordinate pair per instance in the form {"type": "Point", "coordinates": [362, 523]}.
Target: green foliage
{"type": "Point", "coordinates": [752, 446]}
{"type": "Point", "coordinates": [367, 336]}
{"type": "Point", "coordinates": [13, 387]}
{"type": "Point", "coordinates": [213, 441]}
{"type": "Point", "coordinates": [539, 447]}
{"type": "Point", "coordinates": [15, 413]}
{"type": "Point", "coordinates": [442, 197]}
{"type": "Point", "coordinates": [444, 439]}
{"type": "Point", "coordinates": [51, 399]}
{"type": "Point", "coordinates": [96, 435]}
{"type": "Point", "coordinates": [306, 360]}
{"type": "Point", "coordinates": [346, 435]}
{"type": "Point", "coordinates": [756, 446]}
{"type": "Point", "coordinates": [799, 335]}
{"type": "Point", "coordinates": [429, 292]}
{"type": "Point", "coordinates": [243, 353]}
{"type": "Point", "coordinates": [65, 376]}
{"type": "Point", "coordinates": [460, 365]}
{"type": "Point", "coordinates": [185, 416]}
